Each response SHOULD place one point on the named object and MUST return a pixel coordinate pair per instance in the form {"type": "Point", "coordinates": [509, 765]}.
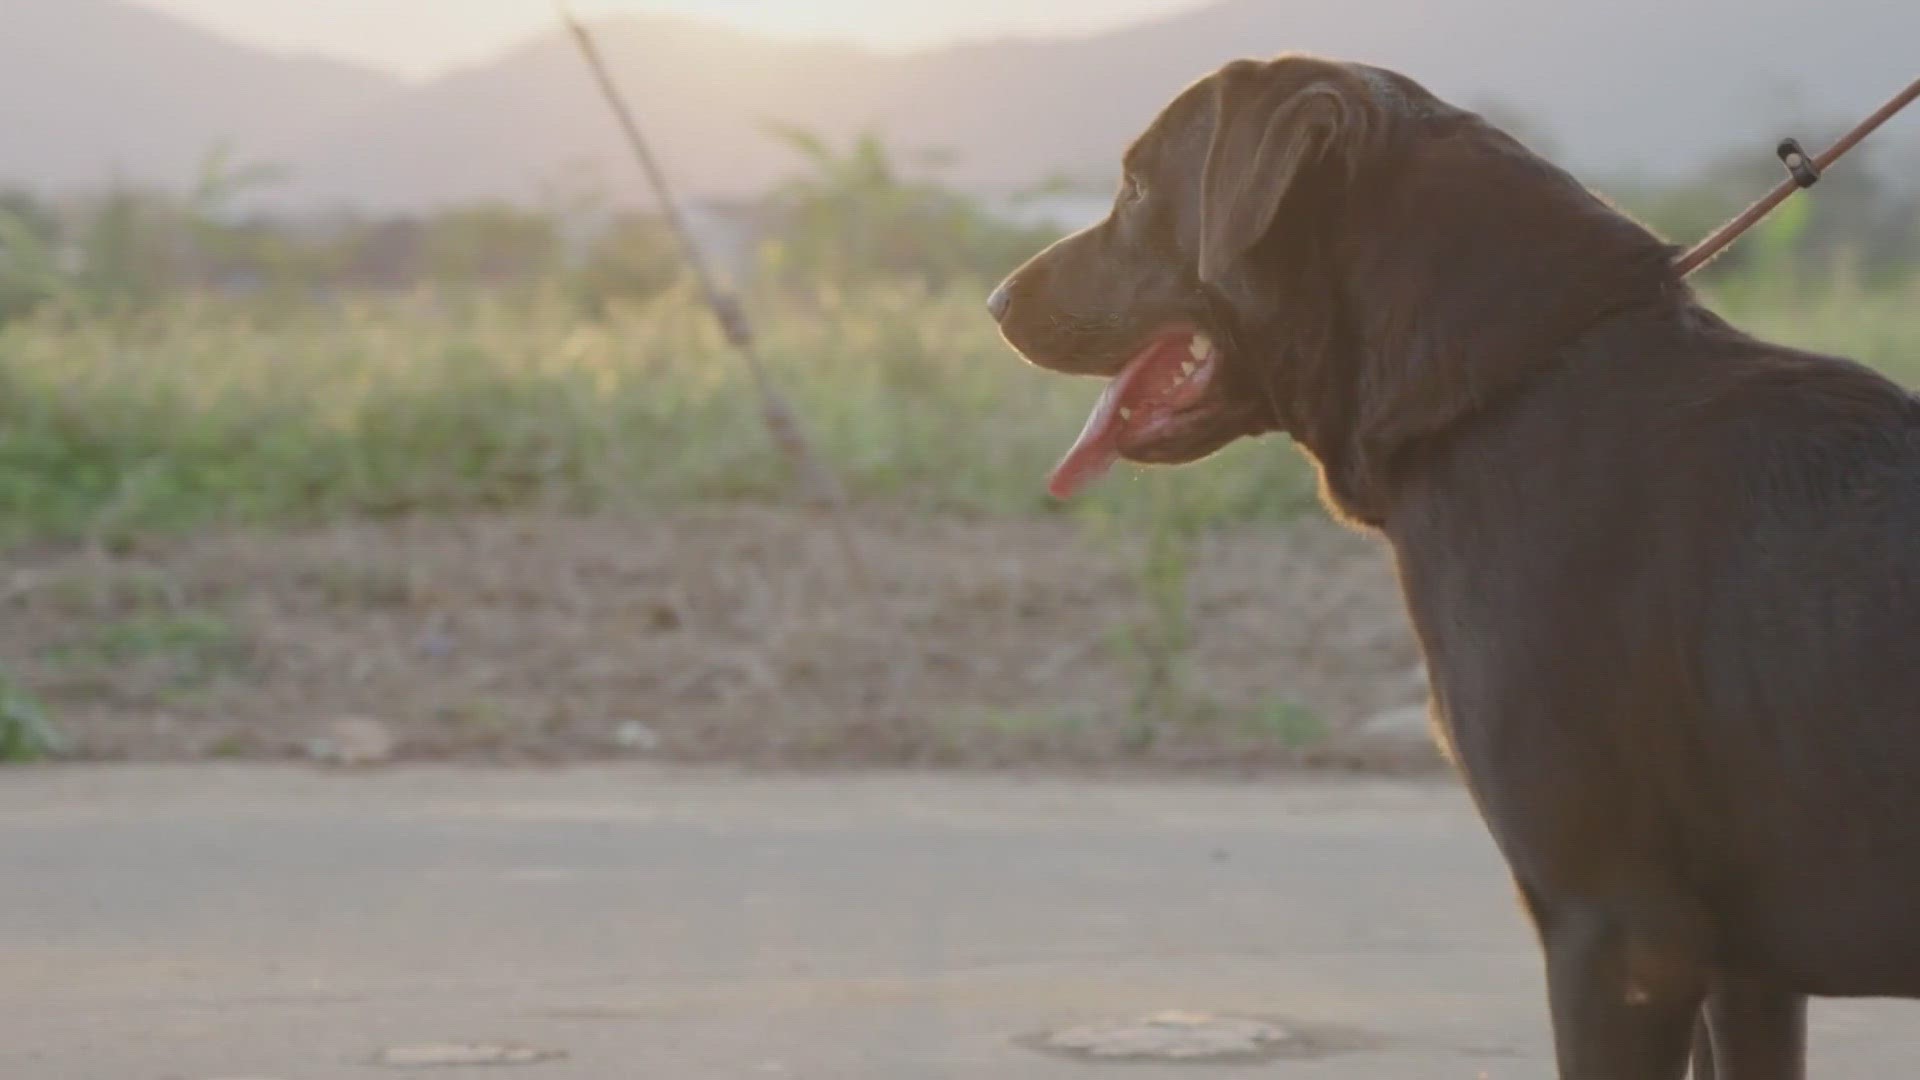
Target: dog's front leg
{"type": "Point", "coordinates": [1624, 997]}
{"type": "Point", "coordinates": [1703, 1065]}
{"type": "Point", "coordinates": [1757, 1032]}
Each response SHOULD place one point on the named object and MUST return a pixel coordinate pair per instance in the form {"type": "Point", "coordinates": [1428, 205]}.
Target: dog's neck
{"type": "Point", "coordinates": [1363, 481]}
{"type": "Point", "coordinates": [1460, 289]}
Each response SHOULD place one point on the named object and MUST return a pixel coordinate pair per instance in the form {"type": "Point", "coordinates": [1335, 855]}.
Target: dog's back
{"type": "Point", "coordinates": [1695, 557]}
{"type": "Point", "coordinates": [1810, 668]}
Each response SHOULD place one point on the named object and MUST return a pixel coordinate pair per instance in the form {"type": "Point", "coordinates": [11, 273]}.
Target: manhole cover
{"type": "Point", "coordinates": [1172, 1036]}
{"type": "Point", "coordinates": [462, 1055]}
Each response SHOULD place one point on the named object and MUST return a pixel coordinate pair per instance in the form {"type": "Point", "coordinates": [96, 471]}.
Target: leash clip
{"type": "Point", "coordinates": [1799, 165]}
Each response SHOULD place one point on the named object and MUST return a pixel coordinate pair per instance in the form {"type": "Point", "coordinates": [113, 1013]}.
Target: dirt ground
{"type": "Point", "coordinates": [719, 636]}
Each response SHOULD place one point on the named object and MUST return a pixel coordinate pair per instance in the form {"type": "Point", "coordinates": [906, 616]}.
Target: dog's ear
{"type": "Point", "coordinates": [1267, 128]}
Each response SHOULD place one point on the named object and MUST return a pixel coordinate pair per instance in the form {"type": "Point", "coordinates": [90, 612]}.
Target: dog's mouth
{"type": "Point", "coordinates": [1156, 409]}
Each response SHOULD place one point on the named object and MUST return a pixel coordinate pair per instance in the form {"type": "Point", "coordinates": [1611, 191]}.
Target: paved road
{"type": "Point", "coordinates": [228, 923]}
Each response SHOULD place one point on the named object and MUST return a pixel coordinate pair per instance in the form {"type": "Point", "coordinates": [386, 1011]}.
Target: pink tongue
{"type": "Point", "coordinates": [1094, 453]}
{"type": "Point", "coordinates": [1098, 448]}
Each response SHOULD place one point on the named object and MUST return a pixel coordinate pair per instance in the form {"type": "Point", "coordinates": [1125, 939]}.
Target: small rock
{"type": "Point", "coordinates": [664, 618]}
{"type": "Point", "coordinates": [354, 743]}
{"type": "Point", "coordinates": [436, 646]}
{"type": "Point", "coordinates": [634, 735]}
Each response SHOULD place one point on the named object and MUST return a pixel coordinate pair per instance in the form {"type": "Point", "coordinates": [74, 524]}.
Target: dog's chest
{"type": "Point", "coordinates": [1541, 700]}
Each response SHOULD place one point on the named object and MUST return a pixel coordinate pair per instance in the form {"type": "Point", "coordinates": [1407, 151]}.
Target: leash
{"type": "Point", "coordinates": [782, 421]}
{"type": "Point", "coordinates": [1802, 172]}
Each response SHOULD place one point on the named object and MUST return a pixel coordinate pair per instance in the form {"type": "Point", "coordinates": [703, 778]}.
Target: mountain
{"type": "Point", "coordinates": [534, 116]}
{"type": "Point", "coordinates": [91, 88]}
{"type": "Point", "coordinates": [1615, 89]}
{"type": "Point", "coordinates": [1622, 88]}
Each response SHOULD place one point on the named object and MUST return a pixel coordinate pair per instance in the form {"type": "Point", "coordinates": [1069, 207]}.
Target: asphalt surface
{"type": "Point", "coordinates": [277, 924]}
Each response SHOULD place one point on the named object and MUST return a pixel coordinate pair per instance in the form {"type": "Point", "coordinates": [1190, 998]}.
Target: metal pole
{"type": "Point", "coordinates": [783, 423]}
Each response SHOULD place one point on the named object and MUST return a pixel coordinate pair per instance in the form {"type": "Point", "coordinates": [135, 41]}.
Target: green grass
{"type": "Point", "coordinates": [1288, 723]}
{"type": "Point", "coordinates": [193, 647]}
{"type": "Point", "coordinates": [197, 416]}
{"type": "Point", "coordinates": [25, 732]}
{"type": "Point", "coordinates": [1880, 326]}
{"type": "Point", "coordinates": [189, 634]}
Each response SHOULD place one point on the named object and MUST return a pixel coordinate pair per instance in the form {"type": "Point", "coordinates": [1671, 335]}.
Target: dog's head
{"type": "Point", "coordinates": [1316, 247]}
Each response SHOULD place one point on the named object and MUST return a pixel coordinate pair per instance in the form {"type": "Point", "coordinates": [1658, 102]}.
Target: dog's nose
{"type": "Point", "coordinates": [999, 302]}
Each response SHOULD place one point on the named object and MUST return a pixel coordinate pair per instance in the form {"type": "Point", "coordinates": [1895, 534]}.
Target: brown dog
{"type": "Point", "coordinates": [1666, 576]}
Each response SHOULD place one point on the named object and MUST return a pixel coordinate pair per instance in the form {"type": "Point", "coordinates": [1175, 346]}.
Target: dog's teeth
{"type": "Point", "coordinates": [1126, 414]}
{"type": "Point", "coordinates": [1201, 347]}
{"type": "Point", "coordinates": [1187, 368]}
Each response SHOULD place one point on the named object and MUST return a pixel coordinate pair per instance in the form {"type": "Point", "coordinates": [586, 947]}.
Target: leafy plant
{"type": "Point", "coordinates": [852, 214]}
{"type": "Point", "coordinates": [1158, 643]}
{"type": "Point", "coordinates": [26, 734]}
{"type": "Point", "coordinates": [30, 271]}
{"type": "Point", "coordinates": [1289, 723]}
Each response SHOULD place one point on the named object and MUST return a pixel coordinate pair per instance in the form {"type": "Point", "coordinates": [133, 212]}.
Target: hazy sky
{"type": "Point", "coordinates": [433, 35]}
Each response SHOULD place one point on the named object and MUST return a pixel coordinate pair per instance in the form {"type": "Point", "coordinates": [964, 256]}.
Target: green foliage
{"type": "Point", "coordinates": [30, 272]}
{"type": "Point", "coordinates": [1775, 243]}
{"type": "Point", "coordinates": [492, 244]}
{"type": "Point", "coordinates": [224, 180]}
{"type": "Point", "coordinates": [1162, 640]}
{"type": "Point", "coordinates": [129, 257]}
{"type": "Point", "coordinates": [448, 365]}
{"type": "Point", "coordinates": [1853, 218]}
{"type": "Point", "coordinates": [633, 260]}
{"type": "Point", "coordinates": [26, 734]}
{"type": "Point", "coordinates": [1158, 540]}
{"type": "Point", "coordinates": [202, 413]}
{"type": "Point", "coordinates": [190, 634]}
{"type": "Point", "coordinates": [191, 649]}
{"type": "Point", "coordinates": [852, 216]}
{"type": "Point", "coordinates": [1290, 724]}
{"type": "Point", "coordinates": [138, 248]}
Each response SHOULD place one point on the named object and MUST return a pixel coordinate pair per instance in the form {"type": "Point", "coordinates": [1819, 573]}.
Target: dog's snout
{"type": "Point", "coordinates": [999, 302]}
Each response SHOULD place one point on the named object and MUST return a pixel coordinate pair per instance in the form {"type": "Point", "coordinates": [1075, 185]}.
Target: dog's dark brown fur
{"type": "Point", "coordinates": [1667, 576]}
